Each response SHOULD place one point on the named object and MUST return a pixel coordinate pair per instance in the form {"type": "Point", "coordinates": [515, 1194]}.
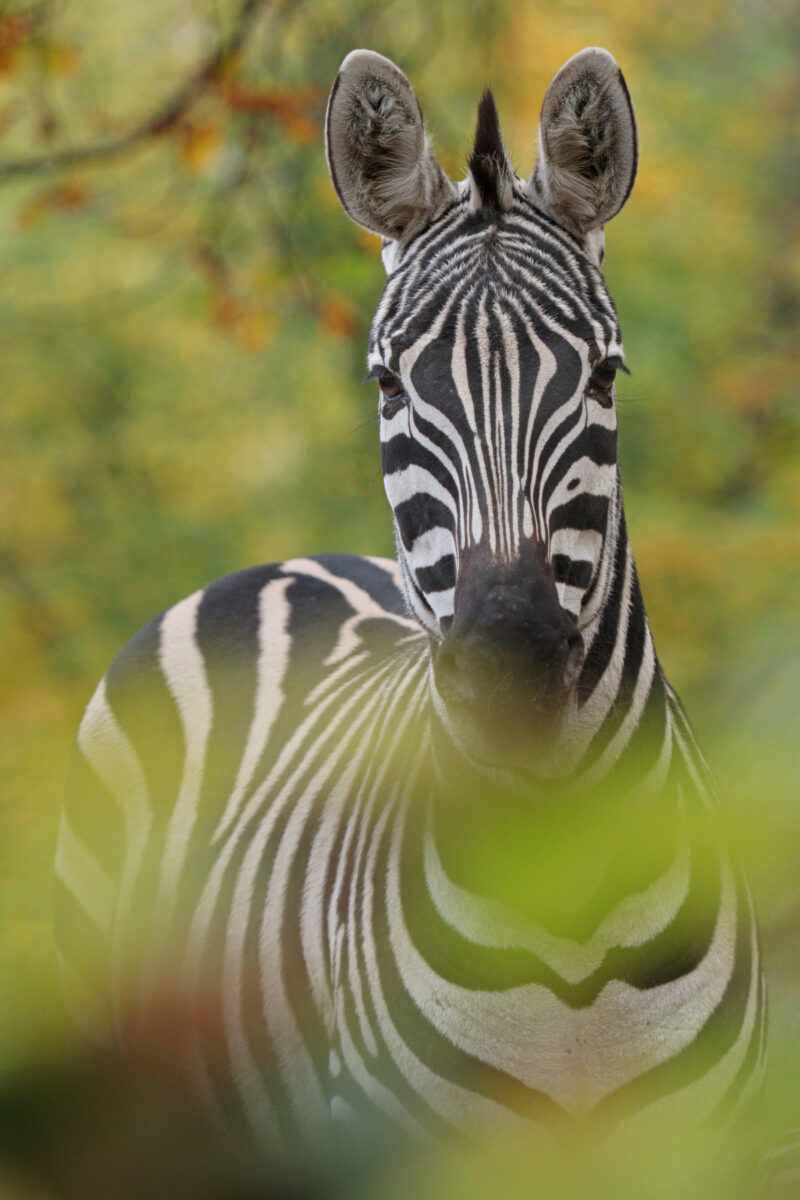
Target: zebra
{"type": "Point", "coordinates": [282, 790]}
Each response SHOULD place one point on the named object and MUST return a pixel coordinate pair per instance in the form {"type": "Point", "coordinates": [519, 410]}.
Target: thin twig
{"type": "Point", "coordinates": [160, 121]}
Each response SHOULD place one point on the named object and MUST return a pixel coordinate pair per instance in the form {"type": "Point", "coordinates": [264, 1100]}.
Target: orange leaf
{"type": "Point", "coordinates": [60, 58]}
{"type": "Point", "coordinates": [370, 242]}
{"type": "Point", "coordinates": [277, 102]}
{"type": "Point", "coordinates": [228, 311]}
{"type": "Point", "coordinates": [16, 30]}
{"type": "Point", "coordinates": [254, 330]}
{"type": "Point", "coordinates": [9, 58]}
{"type": "Point", "coordinates": [301, 130]}
{"type": "Point", "coordinates": [66, 197]}
{"type": "Point", "coordinates": [200, 144]}
{"type": "Point", "coordinates": [338, 316]}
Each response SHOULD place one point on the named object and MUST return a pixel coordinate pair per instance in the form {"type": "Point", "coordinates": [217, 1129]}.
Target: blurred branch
{"type": "Point", "coordinates": [160, 121]}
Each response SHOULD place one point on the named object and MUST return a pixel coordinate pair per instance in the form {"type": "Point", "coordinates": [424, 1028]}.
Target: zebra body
{"type": "Point", "coordinates": [279, 787]}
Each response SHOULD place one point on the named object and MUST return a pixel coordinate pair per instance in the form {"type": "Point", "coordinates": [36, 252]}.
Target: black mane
{"type": "Point", "coordinates": [488, 164]}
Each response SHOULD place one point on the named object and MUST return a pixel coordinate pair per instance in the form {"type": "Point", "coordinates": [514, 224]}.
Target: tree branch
{"type": "Point", "coordinates": [162, 119]}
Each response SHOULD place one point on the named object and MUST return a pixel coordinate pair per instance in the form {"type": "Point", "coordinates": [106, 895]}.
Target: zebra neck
{"type": "Point", "coordinates": [620, 729]}
{"type": "Point", "coordinates": [556, 856]}
{"type": "Point", "coordinates": [564, 852]}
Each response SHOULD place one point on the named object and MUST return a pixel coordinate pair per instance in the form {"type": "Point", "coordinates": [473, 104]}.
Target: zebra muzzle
{"type": "Point", "coordinates": [507, 659]}
{"type": "Point", "coordinates": [473, 674]}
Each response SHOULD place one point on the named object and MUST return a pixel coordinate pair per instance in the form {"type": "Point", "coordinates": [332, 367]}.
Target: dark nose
{"type": "Point", "coordinates": [510, 645]}
{"type": "Point", "coordinates": [473, 670]}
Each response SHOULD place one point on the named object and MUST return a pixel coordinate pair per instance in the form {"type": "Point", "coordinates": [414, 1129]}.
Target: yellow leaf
{"type": "Point", "coordinates": [254, 330]}
{"type": "Point", "coordinates": [369, 241]}
{"type": "Point", "coordinates": [200, 145]}
{"type": "Point", "coordinates": [60, 58]}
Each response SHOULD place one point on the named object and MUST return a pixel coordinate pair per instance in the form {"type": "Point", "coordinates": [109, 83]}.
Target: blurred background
{"type": "Point", "coordinates": [183, 320]}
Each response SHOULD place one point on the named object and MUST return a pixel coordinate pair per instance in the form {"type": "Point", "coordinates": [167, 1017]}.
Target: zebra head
{"type": "Point", "coordinates": [495, 347]}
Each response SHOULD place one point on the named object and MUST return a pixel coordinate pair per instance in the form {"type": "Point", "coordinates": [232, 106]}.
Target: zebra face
{"type": "Point", "coordinates": [497, 419]}
{"type": "Point", "coordinates": [495, 347]}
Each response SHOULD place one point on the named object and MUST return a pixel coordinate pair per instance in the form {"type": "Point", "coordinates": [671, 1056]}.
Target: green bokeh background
{"type": "Point", "coordinates": [182, 333]}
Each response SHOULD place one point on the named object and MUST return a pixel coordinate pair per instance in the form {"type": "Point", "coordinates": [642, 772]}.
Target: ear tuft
{"type": "Point", "coordinates": [587, 143]}
{"type": "Point", "coordinates": [489, 168]}
{"type": "Point", "coordinates": [381, 165]}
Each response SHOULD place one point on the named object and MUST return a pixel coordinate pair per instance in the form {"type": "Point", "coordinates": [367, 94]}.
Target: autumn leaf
{"type": "Point", "coordinates": [255, 329]}
{"type": "Point", "coordinates": [291, 107]}
{"type": "Point", "coordinates": [276, 102]}
{"type": "Point", "coordinates": [8, 115]}
{"type": "Point", "coordinates": [228, 310]}
{"type": "Point", "coordinates": [370, 242]}
{"type": "Point", "coordinates": [60, 57]}
{"type": "Point", "coordinates": [69, 196]}
{"type": "Point", "coordinates": [338, 316]}
{"type": "Point", "coordinates": [9, 59]}
{"type": "Point", "coordinates": [15, 29]}
{"type": "Point", "coordinates": [301, 130]}
{"type": "Point", "coordinates": [201, 142]}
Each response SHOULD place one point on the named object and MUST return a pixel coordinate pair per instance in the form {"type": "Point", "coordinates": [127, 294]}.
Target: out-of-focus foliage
{"type": "Point", "coordinates": [183, 322]}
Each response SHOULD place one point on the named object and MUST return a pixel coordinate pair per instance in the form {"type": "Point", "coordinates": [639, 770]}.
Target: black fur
{"type": "Point", "coordinates": [488, 164]}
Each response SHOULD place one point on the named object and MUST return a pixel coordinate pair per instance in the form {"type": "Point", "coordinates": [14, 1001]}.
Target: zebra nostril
{"type": "Point", "coordinates": [575, 655]}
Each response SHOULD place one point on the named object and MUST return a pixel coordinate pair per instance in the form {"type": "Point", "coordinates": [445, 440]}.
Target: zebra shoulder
{"type": "Point", "coordinates": [198, 661]}
{"type": "Point", "coordinates": [194, 700]}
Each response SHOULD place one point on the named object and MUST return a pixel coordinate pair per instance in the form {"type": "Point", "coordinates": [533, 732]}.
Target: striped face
{"type": "Point", "coordinates": [495, 346]}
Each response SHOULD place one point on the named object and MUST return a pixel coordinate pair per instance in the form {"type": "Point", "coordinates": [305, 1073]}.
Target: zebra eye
{"type": "Point", "coordinates": [603, 376]}
{"type": "Point", "coordinates": [390, 385]}
{"type": "Point", "coordinates": [393, 395]}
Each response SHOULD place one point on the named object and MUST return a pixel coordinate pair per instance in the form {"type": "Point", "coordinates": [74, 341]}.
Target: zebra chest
{"type": "Point", "coordinates": [479, 1032]}
{"type": "Point", "coordinates": [528, 1036]}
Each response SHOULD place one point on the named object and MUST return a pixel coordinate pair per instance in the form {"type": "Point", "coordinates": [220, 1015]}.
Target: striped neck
{"type": "Point", "coordinates": [620, 728]}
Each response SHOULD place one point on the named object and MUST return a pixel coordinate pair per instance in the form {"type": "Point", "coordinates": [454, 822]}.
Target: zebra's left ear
{"type": "Point", "coordinates": [587, 143]}
{"type": "Point", "coordinates": [381, 164]}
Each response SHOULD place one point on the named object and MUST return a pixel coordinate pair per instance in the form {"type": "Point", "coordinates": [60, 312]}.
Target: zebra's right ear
{"type": "Point", "coordinates": [381, 165]}
{"type": "Point", "coordinates": [587, 143]}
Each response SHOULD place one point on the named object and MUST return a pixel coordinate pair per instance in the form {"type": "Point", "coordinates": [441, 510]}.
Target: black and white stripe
{"type": "Point", "coordinates": [274, 804]}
